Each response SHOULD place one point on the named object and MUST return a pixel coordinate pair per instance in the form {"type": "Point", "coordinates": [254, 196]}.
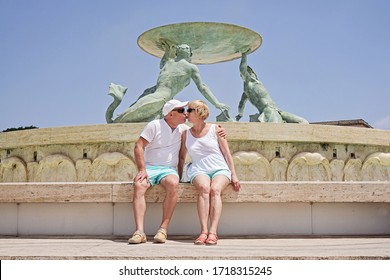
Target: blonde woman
{"type": "Point", "coordinates": [211, 170]}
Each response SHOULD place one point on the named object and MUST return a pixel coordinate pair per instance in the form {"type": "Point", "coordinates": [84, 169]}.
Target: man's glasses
{"type": "Point", "coordinates": [180, 110]}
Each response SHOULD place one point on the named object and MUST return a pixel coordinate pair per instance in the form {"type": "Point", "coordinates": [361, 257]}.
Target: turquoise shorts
{"type": "Point", "coordinates": [158, 172]}
{"type": "Point", "coordinates": [225, 172]}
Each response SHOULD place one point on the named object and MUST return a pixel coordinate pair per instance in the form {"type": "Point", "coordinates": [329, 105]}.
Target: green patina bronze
{"type": "Point", "coordinates": [181, 46]}
{"type": "Point", "coordinates": [176, 73]}
{"type": "Point", "coordinates": [257, 94]}
{"type": "Point", "coordinates": [211, 42]}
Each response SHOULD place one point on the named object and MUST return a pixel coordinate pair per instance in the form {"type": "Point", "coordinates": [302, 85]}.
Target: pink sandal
{"type": "Point", "coordinates": [212, 239]}
{"type": "Point", "coordinates": [201, 240]}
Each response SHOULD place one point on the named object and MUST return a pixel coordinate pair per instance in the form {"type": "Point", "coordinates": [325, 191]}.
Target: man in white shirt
{"type": "Point", "coordinates": [157, 154]}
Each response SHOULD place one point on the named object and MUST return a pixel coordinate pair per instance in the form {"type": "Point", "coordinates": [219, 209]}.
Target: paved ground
{"type": "Point", "coordinates": [271, 248]}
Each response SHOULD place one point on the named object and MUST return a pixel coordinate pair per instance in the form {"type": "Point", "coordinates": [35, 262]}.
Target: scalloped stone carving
{"type": "Point", "coordinates": [112, 167]}
{"type": "Point", "coordinates": [56, 168]}
{"type": "Point", "coordinates": [309, 167]}
{"type": "Point", "coordinates": [376, 167]}
{"type": "Point", "coordinates": [279, 168]}
{"type": "Point", "coordinates": [32, 169]}
{"type": "Point", "coordinates": [337, 169]}
{"type": "Point", "coordinates": [83, 169]}
{"type": "Point", "coordinates": [352, 170]}
{"type": "Point", "coordinates": [252, 166]}
{"type": "Point", "coordinates": [13, 169]}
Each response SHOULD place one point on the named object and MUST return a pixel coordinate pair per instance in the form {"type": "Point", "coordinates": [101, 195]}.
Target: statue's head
{"type": "Point", "coordinates": [183, 50]}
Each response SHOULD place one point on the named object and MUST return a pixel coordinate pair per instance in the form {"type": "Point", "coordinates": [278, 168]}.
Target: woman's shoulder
{"type": "Point", "coordinates": [212, 126]}
{"type": "Point", "coordinates": [212, 129]}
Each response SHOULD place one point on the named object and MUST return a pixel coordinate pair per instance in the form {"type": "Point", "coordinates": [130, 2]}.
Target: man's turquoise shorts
{"type": "Point", "coordinates": [158, 172]}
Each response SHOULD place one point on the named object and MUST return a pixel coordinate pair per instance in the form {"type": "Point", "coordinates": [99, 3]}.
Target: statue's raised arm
{"type": "Point", "coordinates": [206, 92]}
{"type": "Point", "coordinates": [169, 51]}
{"type": "Point", "coordinates": [243, 67]}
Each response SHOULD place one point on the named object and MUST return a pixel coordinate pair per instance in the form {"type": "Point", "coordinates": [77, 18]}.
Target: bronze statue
{"type": "Point", "coordinates": [258, 96]}
{"type": "Point", "coordinates": [175, 74]}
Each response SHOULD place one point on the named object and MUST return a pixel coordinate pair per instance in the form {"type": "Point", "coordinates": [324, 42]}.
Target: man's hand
{"type": "Point", "coordinates": [221, 131]}
{"type": "Point", "coordinates": [142, 175]}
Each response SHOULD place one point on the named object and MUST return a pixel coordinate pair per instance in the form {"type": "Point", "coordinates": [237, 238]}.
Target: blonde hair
{"type": "Point", "coordinates": [200, 107]}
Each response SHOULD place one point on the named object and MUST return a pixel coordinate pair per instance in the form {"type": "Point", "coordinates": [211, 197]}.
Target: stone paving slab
{"type": "Point", "coordinates": [270, 248]}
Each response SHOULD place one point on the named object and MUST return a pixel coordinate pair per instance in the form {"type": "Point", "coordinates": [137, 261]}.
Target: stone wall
{"type": "Point", "coordinates": [261, 152]}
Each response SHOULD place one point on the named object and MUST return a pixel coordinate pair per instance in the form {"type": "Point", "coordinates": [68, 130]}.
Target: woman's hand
{"type": "Point", "coordinates": [235, 183]}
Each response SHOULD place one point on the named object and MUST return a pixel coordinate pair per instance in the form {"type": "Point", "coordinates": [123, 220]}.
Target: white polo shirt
{"type": "Point", "coordinates": [164, 144]}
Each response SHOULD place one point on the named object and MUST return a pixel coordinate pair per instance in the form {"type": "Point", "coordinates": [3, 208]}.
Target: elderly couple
{"type": "Point", "coordinates": [160, 154]}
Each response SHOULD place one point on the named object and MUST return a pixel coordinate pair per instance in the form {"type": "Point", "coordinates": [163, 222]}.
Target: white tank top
{"type": "Point", "coordinates": [205, 153]}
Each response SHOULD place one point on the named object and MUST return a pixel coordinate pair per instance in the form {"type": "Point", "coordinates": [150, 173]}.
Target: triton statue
{"type": "Point", "coordinates": [257, 94]}
{"type": "Point", "coordinates": [175, 74]}
{"type": "Point", "coordinates": [181, 46]}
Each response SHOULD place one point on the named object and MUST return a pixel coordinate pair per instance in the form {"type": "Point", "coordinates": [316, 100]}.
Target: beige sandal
{"type": "Point", "coordinates": [161, 236]}
{"type": "Point", "coordinates": [137, 238]}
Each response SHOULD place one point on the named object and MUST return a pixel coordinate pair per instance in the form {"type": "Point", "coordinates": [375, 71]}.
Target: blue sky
{"type": "Point", "coordinates": [322, 60]}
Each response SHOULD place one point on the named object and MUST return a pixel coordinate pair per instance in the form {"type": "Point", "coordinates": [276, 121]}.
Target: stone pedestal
{"type": "Point", "coordinates": [296, 180]}
{"type": "Point", "coordinates": [261, 152]}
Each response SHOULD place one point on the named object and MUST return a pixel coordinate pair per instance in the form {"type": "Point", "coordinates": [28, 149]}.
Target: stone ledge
{"type": "Point", "coordinates": [115, 192]}
{"type": "Point", "coordinates": [129, 133]}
